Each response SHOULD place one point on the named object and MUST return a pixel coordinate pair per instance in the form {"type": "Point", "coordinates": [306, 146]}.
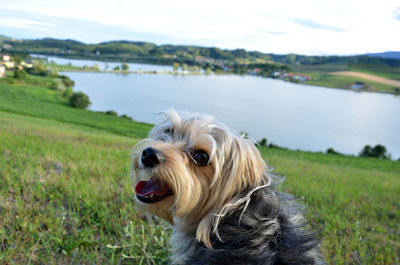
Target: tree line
{"type": "Point", "coordinates": [148, 52]}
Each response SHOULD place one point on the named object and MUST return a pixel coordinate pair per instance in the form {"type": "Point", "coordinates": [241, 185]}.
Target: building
{"type": "Point", "coordinates": [6, 61]}
{"type": "Point", "coordinates": [6, 58]}
{"type": "Point", "coordinates": [2, 71]}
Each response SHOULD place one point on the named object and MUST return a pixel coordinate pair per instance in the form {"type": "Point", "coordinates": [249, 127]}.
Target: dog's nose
{"type": "Point", "coordinates": [151, 157]}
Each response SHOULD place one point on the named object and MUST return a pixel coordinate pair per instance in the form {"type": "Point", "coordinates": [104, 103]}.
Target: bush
{"type": "Point", "coordinates": [272, 145]}
{"type": "Point", "coordinates": [79, 100]}
{"type": "Point", "coordinates": [20, 74]}
{"type": "Point", "coordinates": [68, 92]}
{"type": "Point", "coordinates": [67, 81]}
{"type": "Point", "coordinates": [111, 112]}
{"type": "Point", "coordinates": [126, 117]}
{"type": "Point", "coordinates": [332, 151]}
{"type": "Point", "coordinates": [57, 85]}
{"type": "Point", "coordinates": [50, 72]}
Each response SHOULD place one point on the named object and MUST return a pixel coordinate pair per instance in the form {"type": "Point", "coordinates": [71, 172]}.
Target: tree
{"type": "Point", "coordinates": [79, 100]}
{"type": "Point", "coordinates": [116, 68]}
{"type": "Point", "coordinates": [175, 66]}
{"type": "Point", "coordinates": [125, 67]}
{"type": "Point", "coordinates": [290, 58]}
{"type": "Point", "coordinates": [184, 67]}
{"type": "Point", "coordinates": [378, 151]}
{"type": "Point", "coordinates": [366, 151]}
{"type": "Point", "coordinates": [20, 74]}
{"type": "Point", "coordinates": [263, 142]}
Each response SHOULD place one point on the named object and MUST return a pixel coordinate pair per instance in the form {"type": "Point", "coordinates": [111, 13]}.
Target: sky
{"type": "Point", "coordinates": [310, 27]}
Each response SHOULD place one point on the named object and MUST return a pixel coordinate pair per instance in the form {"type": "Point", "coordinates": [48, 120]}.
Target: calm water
{"type": "Point", "coordinates": [295, 116]}
{"type": "Point", "coordinates": [103, 65]}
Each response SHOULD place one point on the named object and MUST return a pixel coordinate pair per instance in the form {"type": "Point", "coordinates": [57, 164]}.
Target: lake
{"type": "Point", "coordinates": [289, 115]}
{"type": "Point", "coordinates": [106, 65]}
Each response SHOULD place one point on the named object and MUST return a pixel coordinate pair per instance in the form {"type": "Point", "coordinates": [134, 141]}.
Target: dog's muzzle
{"type": "Point", "coordinates": [152, 190]}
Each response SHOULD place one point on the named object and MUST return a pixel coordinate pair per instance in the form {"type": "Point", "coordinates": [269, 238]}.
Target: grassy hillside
{"type": "Point", "coordinates": [33, 97]}
{"type": "Point", "coordinates": [65, 194]}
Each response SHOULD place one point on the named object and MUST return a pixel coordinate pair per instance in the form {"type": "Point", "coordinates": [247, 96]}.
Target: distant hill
{"type": "Point", "coordinates": [386, 55]}
{"type": "Point", "coordinates": [3, 38]}
{"type": "Point", "coordinates": [206, 57]}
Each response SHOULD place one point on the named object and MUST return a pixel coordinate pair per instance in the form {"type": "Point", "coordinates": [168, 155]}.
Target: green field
{"type": "Point", "coordinates": [321, 76]}
{"type": "Point", "coordinates": [66, 197]}
{"type": "Point", "coordinates": [345, 82]}
{"type": "Point", "coordinates": [385, 72]}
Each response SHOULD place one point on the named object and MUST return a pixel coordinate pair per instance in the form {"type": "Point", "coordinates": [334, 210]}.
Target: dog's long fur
{"type": "Point", "coordinates": [226, 212]}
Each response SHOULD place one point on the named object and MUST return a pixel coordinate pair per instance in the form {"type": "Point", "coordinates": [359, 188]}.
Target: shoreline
{"type": "Point", "coordinates": [60, 68]}
{"type": "Point", "coordinates": [334, 80]}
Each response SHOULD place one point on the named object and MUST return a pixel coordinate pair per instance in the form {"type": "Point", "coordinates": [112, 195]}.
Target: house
{"type": "Point", "coordinates": [276, 74]}
{"type": "Point", "coordinates": [2, 71]}
{"type": "Point", "coordinates": [6, 61]}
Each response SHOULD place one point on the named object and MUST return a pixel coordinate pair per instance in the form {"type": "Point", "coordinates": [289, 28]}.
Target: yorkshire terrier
{"type": "Point", "coordinates": [216, 191]}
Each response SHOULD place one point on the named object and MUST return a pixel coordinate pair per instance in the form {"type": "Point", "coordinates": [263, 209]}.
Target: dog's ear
{"type": "Point", "coordinates": [253, 166]}
{"type": "Point", "coordinates": [243, 170]}
{"type": "Point", "coordinates": [243, 167]}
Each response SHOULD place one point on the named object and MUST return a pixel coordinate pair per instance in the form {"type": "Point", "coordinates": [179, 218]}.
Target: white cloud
{"type": "Point", "coordinates": [308, 26]}
{"type": "Point", "coordinates": [24, 23]}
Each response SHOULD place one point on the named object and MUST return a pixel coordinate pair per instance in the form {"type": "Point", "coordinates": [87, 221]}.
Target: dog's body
{"type": "Point", "coordinates": [216, 191]}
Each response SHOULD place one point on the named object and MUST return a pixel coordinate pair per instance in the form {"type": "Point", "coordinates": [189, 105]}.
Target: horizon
{"type": "Point", "coordinates": [311, 27]}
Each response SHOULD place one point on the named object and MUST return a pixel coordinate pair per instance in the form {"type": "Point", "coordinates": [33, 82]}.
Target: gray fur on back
{"type": "Point", "coordinates": [271, 230]}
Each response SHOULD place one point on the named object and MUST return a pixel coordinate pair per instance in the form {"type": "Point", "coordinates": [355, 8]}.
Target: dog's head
{"type": "Point", "coordinates": [190, 168]}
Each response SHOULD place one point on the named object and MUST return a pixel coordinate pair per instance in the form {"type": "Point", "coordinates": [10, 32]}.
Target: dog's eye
{"type": "Point", "coordinates": [200, 157]}
{"type": "Point", "coordinates": [169, 131]}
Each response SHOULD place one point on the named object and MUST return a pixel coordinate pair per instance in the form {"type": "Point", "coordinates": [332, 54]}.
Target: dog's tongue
{"type": "Point", "coordinates": [145, 188]}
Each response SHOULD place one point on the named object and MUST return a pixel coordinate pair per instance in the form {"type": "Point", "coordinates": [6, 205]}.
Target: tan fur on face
{"type": "Point", "coordinates": [201, 193]}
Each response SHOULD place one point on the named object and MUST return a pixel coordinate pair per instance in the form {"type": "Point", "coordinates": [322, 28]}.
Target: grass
{"type": "Point", "coordinates": [66, 198]}
{"type": "Point", "coordinates": [345, 82]}
{"type": "Point", "coordinates": [321, 76]}
{"type": "Point", "coordinates": [36, 99]}
{"type": "Point", "coordinates": [388, 73]}
{"type": "Point", "coordinates": [72, 68]}
{"type": "Point", "coordinates": [352, 201]}
{"type": "Point", "coordinates": [320, 68]}
{"type": "Point", "coordinates": [65, 67]}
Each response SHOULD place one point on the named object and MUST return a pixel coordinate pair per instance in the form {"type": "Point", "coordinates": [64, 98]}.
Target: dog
{"type": "Point", "coordinates": [218, 194]}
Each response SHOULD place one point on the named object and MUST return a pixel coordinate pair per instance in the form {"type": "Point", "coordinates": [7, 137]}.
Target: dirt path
{"type": "Point", "coordinates": [370, 77]}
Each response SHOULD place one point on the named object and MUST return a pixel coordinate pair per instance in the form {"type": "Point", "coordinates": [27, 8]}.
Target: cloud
{"type": "Point", "coordinates": [272, 32]}
{"type": "Point", "coordinates": [307, 27]}
{"type": "Point", "coordinates": [316, 25]}
{"type": "Point", "coordinates": [22, 23]}
{"type": "Point", "coordinates": [396, 13]}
